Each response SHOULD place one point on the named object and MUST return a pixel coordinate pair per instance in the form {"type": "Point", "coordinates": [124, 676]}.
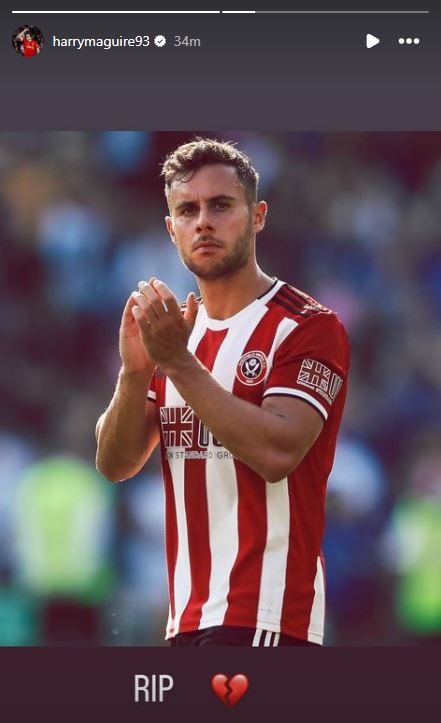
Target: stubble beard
{"type": "Point", "coordinates": [227, 266]}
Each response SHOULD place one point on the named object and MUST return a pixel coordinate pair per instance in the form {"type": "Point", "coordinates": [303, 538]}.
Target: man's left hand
{"type": "Point", "coordinates": [164, 329]}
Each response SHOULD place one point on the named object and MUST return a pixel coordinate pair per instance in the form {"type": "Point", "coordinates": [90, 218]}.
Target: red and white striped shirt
{"type": "Point", "coordinates": [240, 550]}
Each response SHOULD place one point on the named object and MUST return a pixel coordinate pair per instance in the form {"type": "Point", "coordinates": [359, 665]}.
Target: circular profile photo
{"type": "Point", "coordinates": [28, 41]}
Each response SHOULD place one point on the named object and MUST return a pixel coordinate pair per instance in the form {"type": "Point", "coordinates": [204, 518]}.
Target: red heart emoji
{"type": "Point", "coordinates": [229, 691]}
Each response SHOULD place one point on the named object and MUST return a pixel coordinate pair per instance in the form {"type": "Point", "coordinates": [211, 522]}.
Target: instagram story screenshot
{"type": "Point", "coordinates": [220, 368]}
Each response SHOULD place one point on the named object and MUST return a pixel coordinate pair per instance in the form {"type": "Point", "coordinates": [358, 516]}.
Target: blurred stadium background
{"type": "Point", "coordinates": [355, 220]}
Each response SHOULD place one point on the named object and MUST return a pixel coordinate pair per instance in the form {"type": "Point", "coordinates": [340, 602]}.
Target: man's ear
{"type": "Point", "coordinates": [260, 211]}
{"type": "Point", "coordinates": [169, 224]}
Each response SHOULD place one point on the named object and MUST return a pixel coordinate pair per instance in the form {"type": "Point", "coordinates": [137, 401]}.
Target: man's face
{"type": "Point", "coordinates": [211, 222]}
{"type": "Point", "coordinates": [28, 37]}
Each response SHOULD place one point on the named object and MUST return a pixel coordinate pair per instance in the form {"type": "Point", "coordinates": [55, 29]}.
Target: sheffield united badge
{"type": "Point", "coordinates": [251, 368]}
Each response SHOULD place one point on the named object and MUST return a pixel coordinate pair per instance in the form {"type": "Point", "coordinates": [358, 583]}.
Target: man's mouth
{"type": "Point", "coordinates": [208, 245]}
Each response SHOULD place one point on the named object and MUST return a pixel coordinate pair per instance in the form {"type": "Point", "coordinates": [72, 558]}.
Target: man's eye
{"type": "Point", "coordinates": [188, 210]}
{"type": "Point", "coordinates": [221, 205]}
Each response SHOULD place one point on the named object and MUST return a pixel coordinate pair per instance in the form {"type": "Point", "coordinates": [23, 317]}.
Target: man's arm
{"type": "Point", "coordinates": [127, 432]}
{"type": "Point", "coordinates": [21, 35]}
{"type": "Point", "coordinates": [271, 439]}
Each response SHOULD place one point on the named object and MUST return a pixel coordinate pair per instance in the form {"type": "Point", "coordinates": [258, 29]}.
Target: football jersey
{"type": "Point", "coordinates": [241, 550]}
{"type": "Point", "coordinates": [30, 48]}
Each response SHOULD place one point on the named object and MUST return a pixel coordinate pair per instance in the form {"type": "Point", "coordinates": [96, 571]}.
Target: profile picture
{"type": "Point", "coordinates": [28, 41]}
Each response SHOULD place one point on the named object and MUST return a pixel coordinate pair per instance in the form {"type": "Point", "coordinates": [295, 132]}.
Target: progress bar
{"type": "Point", "coordinates": [339, 12]}
{"type": "Point", "coordinates": [117, 12]}
{"type": "Point", "coordinates": [220, 12]}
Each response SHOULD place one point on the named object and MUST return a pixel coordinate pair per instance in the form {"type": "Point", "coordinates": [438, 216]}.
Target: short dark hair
{"type": "Point", "coordinates": [184, 161]}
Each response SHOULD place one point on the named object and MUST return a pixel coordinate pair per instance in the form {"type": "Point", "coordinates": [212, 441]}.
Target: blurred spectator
{"type": "Point", "coordinates": [73, 241]}
{"type": "Point", "coordinates": [413, 549]}
{"type": "Point", "coordinates": [63, 535]}
{"type": "Point", "coordinates": [137, 608]}
{"type": "Point", "coordinates": [356, 516]}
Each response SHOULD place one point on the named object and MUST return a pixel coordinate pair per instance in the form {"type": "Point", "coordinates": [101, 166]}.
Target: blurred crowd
{"type": "Point", "coordinates": [354, 220]}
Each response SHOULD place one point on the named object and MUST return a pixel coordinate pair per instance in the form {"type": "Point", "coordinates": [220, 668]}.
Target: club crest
{"type": "Point", "coordinates": [251, 368]}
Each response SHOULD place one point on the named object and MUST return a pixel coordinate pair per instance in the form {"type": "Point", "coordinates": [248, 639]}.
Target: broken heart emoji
{"type": "Point", "coordinates": [229, 691]}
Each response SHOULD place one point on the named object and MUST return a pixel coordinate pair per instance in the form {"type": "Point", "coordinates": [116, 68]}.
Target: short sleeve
{"type": "Point", "coordinates": [312, 363]}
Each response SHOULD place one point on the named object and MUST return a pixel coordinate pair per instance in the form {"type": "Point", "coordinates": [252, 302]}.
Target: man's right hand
{"type": "Point", "coordinates": [128, 432]}
{"type": "Point", "coordinates": [133, 354]}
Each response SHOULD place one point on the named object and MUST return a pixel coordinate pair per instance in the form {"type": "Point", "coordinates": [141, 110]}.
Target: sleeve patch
{"type": "Point", "coordinates": [319, 378]}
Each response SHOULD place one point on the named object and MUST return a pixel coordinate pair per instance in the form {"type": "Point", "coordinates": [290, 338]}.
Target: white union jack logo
{"type": "Point", "coordinates": [317, 376]}
{"type": "Point", "coordinates": [177, 426]}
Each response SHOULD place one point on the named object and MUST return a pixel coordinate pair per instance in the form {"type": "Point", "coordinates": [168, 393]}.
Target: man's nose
{"type": "Point", "coordinates": [204, 220]}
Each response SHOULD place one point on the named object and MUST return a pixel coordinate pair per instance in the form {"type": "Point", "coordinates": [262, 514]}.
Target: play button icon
{"type": "Point", "coordinates": [371, 40]}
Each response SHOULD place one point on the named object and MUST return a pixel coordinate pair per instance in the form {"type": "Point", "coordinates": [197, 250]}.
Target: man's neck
{"type": "Point", "coordinates": [225, 297]}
